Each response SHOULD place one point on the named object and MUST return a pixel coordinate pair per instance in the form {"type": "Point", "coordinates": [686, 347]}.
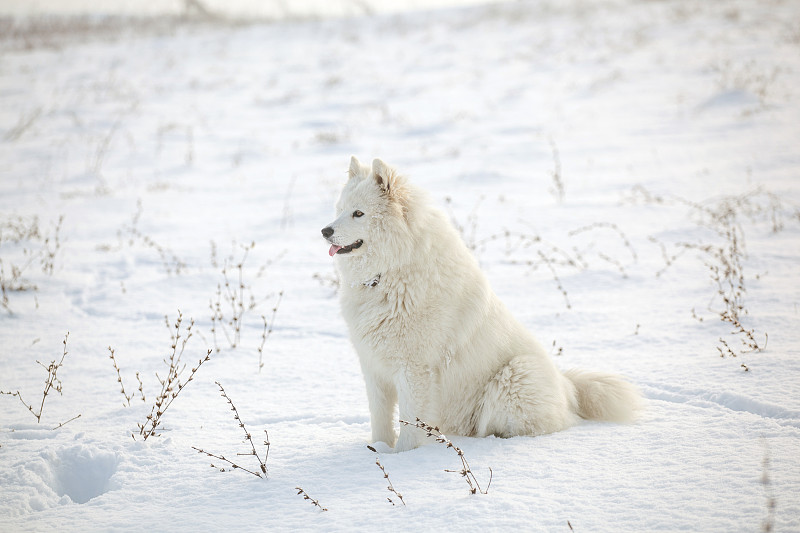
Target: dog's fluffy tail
{"type": "Point", "coordinates": [602, 396]}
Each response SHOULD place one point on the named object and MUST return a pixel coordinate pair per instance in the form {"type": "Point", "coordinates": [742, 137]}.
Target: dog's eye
{"type": "Point", "coordinates": [357, 214]}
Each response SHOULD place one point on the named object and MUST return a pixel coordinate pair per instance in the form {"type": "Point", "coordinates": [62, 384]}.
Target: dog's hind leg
{"type": "Point", "coordinates": [525, 398]}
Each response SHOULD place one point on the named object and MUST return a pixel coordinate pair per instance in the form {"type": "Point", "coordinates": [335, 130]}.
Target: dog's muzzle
{"type": "Point", "coordinates": [335, 248]}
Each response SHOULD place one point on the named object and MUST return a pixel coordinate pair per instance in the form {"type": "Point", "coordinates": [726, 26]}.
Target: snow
{"type": "Point", "coordinates": [230, 9]}
{"type": "Point", "coordinates": [605, 137]}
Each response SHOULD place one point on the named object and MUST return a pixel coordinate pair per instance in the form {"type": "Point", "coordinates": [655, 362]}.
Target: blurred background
{"type": "Point", "coordinates": [222, 8]}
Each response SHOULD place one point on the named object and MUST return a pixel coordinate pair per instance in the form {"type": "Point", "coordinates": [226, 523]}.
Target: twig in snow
{"type": "Point", "coordinates": [25, 121]}
{"type": "Point", "coordinates": [262, 463]}
{"type": "Point", "coordinates": [390, 488]}
{"type": "Point", "coordinates": [725, 255]}
{"type": "Point", "coordinates": [768, 524]}
{"type": "Point", "coordinates": [16, 230]}
{"type": "Point", "coordinates": [557, 350]}
{"type": "Point", "coordinates": [171, 384]}
{"type": "Point", "coordinates": [267, 331]}
{"type": "Point", "coordinates": [309, 498]}
{"type": "Point", "coordinates": [547, 261]}
{"type": "Point", "coordinates": [52, 382]}
{"type": "Point", "coordinates": [62, 424]}
{"type": "Point", "coordinates": [222, 458]}
{"type": "Point", "coordinates": [119, 377]}
{"type": "Point", "coordinates": [131, 234]}
{"type": "Point", "coordinates": [465, 471]}
{"type": "Point", "coordinates": [469, 237]}
{"type": "Point", "coordinates": [233, 295]}
{"type": "Point", "coordinates": [613, 227]}
{"type": "Point", "coordinates": [141, 387]}
{"type": "Point", "coordinates": [556, 174]}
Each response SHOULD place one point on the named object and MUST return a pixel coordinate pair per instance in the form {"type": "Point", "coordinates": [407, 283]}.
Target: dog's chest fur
{"type": "Point", "coordinates": [389, 317]}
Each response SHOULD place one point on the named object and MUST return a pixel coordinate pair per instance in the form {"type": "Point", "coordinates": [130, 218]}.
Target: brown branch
{"type": "Point", "coordinates": [390, 488]}
{"type": "Point", "coordinates": [307, 497]}
{"type": "Point", "coordinates": [466, 471]}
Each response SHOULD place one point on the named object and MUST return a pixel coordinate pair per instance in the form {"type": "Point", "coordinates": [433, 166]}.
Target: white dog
{"type": "Point", "coordinates": [431, 335]}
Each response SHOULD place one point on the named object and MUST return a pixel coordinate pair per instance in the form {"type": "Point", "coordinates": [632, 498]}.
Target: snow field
{"type": "Point", "coordinates": [166, 153]}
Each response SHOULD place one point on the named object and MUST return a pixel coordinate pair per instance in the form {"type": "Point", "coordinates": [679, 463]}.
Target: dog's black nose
{"type": "Point", "coordinates": [327, 232]}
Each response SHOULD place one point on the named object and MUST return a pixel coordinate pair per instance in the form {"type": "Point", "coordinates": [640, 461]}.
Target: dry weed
{"type": "Point", "coordinates": [262, 463]}
{"type": "Point", "coordinates": [171, 384]}
{"type": "Point", "coordinates": [390, 487]}
{"type": "Point", "coordinates": [51, 383]}
{"type": "Point", "coordinates": [530, 250]}
{"type": "Point", "coordinates": [558, 182]}
{"type": "Point", "coordinates": [309, 498]}
{"type": "Point", "coordinates": [23, 236]}
{"type": "Point", "coordinates": [234, 299]}
{"type": "Point", "coordinates": [725, 256]}
{"type": "Point", "coordinates": [466, 471]}
{"type": "Point", "coordinates": [768, 524]}
{"type": "Point", "coordinates": [267, 331]}
{"type": "Point", "coordinates": [131, 235]}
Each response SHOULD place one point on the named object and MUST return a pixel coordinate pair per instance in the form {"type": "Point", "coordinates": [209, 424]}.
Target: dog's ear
{"type": "Point", "coordinates": [355, 167]}
{"type": "Point", "coordinates": [393, 187]}
{"type": "Point", "coordinates": [384, 175]}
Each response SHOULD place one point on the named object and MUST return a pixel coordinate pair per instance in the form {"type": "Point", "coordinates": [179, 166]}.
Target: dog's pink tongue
{"type": "Point", "coordinates": [333, 250]}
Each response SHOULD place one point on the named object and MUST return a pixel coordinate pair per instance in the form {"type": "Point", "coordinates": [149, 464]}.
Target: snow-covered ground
{"type": "Point", "coordinates": [602, 157]}
{"type": "Point", "coordinates": [229, 9]}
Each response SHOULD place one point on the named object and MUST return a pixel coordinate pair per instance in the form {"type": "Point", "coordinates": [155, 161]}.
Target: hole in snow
{"type": "Point", "coordinates": [82, 473]}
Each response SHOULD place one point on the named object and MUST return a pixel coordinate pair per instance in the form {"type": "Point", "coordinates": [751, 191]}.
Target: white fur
{"type": "Point", "coordinates": [431, 335]}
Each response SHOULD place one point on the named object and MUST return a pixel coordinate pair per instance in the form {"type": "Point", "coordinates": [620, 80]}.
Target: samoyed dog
{"type": "Point", "coordinates": [432, 338]}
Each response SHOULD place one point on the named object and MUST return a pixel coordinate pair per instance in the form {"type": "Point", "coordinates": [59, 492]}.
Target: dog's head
{"type": "Point", "coordinates": [367, 213]}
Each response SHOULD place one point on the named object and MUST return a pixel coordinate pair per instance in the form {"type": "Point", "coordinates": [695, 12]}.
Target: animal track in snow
{"type": "Point", "coordinates": [727, 400]}
{"type": "Point", "coordinates": [78, 472]}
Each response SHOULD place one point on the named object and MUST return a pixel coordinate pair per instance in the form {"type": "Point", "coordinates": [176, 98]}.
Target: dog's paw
{"type": "Point", "coordinates": [381, 447]}
{"type": "Point", "coordinates": [406, 441]}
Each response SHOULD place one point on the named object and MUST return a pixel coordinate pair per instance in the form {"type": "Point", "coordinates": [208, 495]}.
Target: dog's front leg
{"type": "Point", "coordinates": [382, 397]}
{"type": "Point", "coordinates": [412, 402]}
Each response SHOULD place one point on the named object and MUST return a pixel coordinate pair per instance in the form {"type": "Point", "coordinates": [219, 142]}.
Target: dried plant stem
{"type": "Point", "coordinates": [390, 488]}
{"type": "Point", "coordinates": [768, 524]}
{"type": "Point", "coordinates": [557, 350]}
{"type": "Point", "coordinates": [141, 387]}
{"type": "Point", "coordinates": [247, 437]}
{"type": "Point", "coordinates": [171, 384]}
{"type": "Point", "coordinates": [262, 463]}
{"type": "Point", "coordinates": [119, 377]}
{"type": "Point", "coordinates": [668, 259]}
{"type": "Point", "coordinates": [309, 498]}
{"type": "Point", "coordinates": [613, 227]}
{"type": "Point", "coordinates": [16, 229]}
{"type": "Point", "coordinates": [472, 221]}
{"type": "Point", "coordinates": [52, 382]}
{"type": "Point", "coordinates": [222, 458]}
{"type": "Point", "coordinates": [267, 331]}
{"type": "Point", "coordinates": [171, 262]}
{"type": "Point", "coordinates": [725, 258]}
{"type": "Point", "coordinates": [547, 261]}
{"type": "Point", "coordinates": [24, 122]}
{"type": "Point", "coordinates": [234, 295]}
{"type": "Point", "coordinates": [62, 424]}
{"type": "Point", "coordinates": [555, 256]}
{"type": "Point", "coordinates": [466, 471]}
{"type": "Point", "coordinates": [726, 270]}
{"type": "Point", "coordinates": [558, 183]}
